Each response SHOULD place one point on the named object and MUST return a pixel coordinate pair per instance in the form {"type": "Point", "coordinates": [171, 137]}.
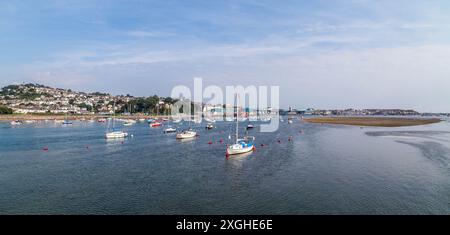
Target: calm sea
{"type": "Point", "coordinates": [324, 169]}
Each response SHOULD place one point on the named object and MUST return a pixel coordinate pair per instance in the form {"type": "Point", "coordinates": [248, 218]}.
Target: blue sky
{"type": "Point", "coordinates": [323, 54]}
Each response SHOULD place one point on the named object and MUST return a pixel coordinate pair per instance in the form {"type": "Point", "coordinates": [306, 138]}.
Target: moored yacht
{"type": "Point", "coordinates": [113, 134]}
{"type": "Point", "coordinates": [186, 134]}
{"type": "Point", "coordinates": [241, 146]}
{"type": "Point", "coordinates": [116, 134]}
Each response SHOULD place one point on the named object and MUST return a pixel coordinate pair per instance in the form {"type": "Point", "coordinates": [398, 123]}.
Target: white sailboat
{"type": "Point", "coordinates": [242, 145]}
{"type": "Point", "coordinates": [187, 134]}
{"type": "Point", "coordinates": [115, 134]}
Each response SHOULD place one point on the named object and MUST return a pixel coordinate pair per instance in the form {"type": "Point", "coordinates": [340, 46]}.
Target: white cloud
{"type": "Point", "coordinates": [386, 77]}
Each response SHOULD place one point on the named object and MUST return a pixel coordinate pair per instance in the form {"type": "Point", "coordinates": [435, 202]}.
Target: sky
{"type": "Point", "coordinates": [322, 54]}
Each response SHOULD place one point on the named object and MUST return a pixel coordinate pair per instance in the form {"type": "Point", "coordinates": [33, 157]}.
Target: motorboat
{"type": "Point", "coordinates": [155, 124]}
{"type": "Point", "coordinates": [128, 123]}
{"type": "Point", "coordinates": [16, 122]}
{"type": "Point", "coordinates": [170, 130]}
{"type": "Point", "coordinates": [209, 126]}
{"type": "Point", "coordinates": [176, 121]}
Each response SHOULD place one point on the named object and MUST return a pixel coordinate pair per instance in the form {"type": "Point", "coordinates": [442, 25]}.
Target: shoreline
{"type": "Point", "coordinates": [373, 121]}
{"type": "Point", "coordinates": [22, 117]}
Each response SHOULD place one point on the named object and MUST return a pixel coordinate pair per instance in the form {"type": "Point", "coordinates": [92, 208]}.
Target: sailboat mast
{"type": "Point", "coordinates": [237, 119]}
{"type": "Point", "coordinates": [114, 114]}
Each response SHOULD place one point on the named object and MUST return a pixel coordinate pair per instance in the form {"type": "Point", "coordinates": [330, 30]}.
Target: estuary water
{"type": "Point", "coordinates": [324, 169]}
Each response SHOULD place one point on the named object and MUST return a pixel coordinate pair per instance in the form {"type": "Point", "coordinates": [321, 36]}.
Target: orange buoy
{"type": "Point", "coordinates": [45, 149]}
{"type": "Point", "coordinates": [210, 142]}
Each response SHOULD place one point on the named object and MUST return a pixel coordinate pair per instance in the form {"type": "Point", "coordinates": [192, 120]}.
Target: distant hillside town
{"type": "Point", "coordinates": [39, 99]}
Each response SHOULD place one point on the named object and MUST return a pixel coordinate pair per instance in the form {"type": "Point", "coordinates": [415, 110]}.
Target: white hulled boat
{"type": "Point", "coordinates": [186, 134]}
{"type": "Point", "coordinates": [242, 145]}
{"type": "Point", "coordinates": [16, 122]}
{"type": "Point", "coordinates": [209, 126]}
{"type": "Point", "coordinates": [115, 134]}
{"type": "Point", "coordinates": [170, 130]}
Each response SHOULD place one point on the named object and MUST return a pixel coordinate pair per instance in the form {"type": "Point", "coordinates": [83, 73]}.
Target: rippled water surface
{"type": "Point", "coordinates": [325, 169]}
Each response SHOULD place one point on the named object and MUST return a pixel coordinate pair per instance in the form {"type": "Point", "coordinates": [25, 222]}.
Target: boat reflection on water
{"type": "Point", "coordinates": [187, 140]}
{"type": "Point", "coordinates": [237, 160]}
{"type": "Point", "coordinates": [111, 142]}
{"type": "Point", "coordinates": [239, 156]}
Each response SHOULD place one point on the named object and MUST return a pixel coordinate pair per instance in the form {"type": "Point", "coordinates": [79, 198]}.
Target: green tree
{"type": "Point", "coordinates": [5, 110]}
